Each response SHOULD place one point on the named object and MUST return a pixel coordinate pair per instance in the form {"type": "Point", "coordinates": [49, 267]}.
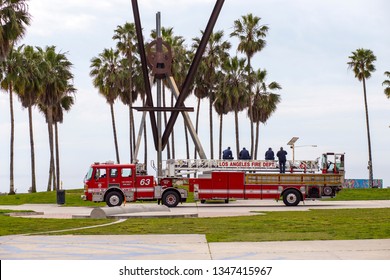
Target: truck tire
{"type": "Point", "coordinates": [114, 199]}
{"type": "Point", "coordinates": [170, 198]}
{"type": "Point", "coordinates": [291, 197]}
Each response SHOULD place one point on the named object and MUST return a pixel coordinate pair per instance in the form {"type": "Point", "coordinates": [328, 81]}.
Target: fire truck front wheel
{"type": "Point", "coordinates": [291, 197]}
{"type": "Point", "coordinates": [170, 198]}
{"type": "Point", "coordinates": [114, 198]}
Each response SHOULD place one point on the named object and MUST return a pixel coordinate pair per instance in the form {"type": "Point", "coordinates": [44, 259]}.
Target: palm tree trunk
{"type": "Point", "coordinates": [166, 120]}
{"type": "Point", "coordinates": [173, 133]}
{"type": "Point", "coordinates": [187, 143]}
{"type": "Point", "coordinates": [130, 134]}
{"type": "Point", "coordinates": [220, 135]}
{"type": "Point", "coordinates": [33, 179]}
{"type": "Point", "coordinates": [237, 133]}
{"type": "Point", "coordinates": [12, 140]}
{"type": "Point", "coordinates": [211, 128]}
{"type": "Point", "coordinates": [197, 125]}
{"type": "Point", "coordinates": [145, 145]}
{"type": "Point", "coordinates": [145, 136]}
{"type": "Point", "coordinates": [370, 171]}
{"type": "Point", "coordinates": [114, 132]}
{"type": "Point", "coordinates": [51, 147]}
{"type": "Point", "coordinates": [250, 103]}
{"type": "Point", "coordinates": [58, 180]}
{"type": "Point", "coordinates": [254, 156]}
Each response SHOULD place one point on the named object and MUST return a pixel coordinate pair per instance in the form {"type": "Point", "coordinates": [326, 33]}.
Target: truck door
{"type": "Point", "coordinates": [113, 178]}
{"type": "Point", "coordinates": [127, 179]}
{"type": "Point", "coordinates": [100, 178]}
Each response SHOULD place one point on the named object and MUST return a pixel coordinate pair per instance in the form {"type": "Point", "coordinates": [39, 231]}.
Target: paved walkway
{"type": "Point", "coordinates": [183, 247]}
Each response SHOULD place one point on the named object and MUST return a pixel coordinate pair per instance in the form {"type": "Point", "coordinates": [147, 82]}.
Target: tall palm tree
{"type": "Point", "coordinates": [139, 88]}
{"type": "Point", "coordinates": [56, 84]}
{"type": "Point", "coordinates": [11, 68]}
{"type": "Point", "coordinates": [126, 38]}
{"type": "Point", "coordinates": [14, 18]}
{"type": "Point", "coordinates": [235, 87]}
{"type": "Point", "coordinates": [65, 104]}
{"type": "Point", "coordinates": [387, 84]}
{"type": "Point", "coordinates": [265, 102]}
{"type": "Point", "coordinates": [215, 54]}
{"type": "Point", "coordinates": [362, 64]}
{"type": "Point", "coordinates": [107, 78]}
{"type": "Point", "coordinates": [200, 93]}
{"type": "Point", "coordinates": [251, 34]}
{"type": "Point", "coordinates": [222, 107]}
{"type": "Point", "coordinates": [28, 90]}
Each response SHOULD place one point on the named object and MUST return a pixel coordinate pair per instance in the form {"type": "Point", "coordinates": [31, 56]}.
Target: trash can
{"type": "Point", "coordinates": [60, 196]}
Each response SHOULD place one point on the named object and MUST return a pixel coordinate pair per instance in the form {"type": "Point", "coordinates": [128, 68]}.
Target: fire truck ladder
{"type": "Point", "coordinates": [184, 167]}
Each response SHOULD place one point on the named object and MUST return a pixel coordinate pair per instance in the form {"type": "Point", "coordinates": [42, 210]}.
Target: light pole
{"type": "Point", "coordinates": [291, 143]}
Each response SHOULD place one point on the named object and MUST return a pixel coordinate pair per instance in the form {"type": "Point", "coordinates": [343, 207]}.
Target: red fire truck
{"type": "Point", "coordinates": [216, 180]}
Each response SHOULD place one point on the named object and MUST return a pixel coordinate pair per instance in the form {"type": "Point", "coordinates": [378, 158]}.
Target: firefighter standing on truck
{"type": "Point", "coordinates": [282, 160]}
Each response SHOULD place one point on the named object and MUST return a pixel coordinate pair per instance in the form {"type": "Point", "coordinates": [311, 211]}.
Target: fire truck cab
{"type": "Point", "coordinates": [118, 183]}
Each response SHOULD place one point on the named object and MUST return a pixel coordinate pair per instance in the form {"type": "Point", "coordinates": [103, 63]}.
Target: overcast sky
{"type": "Point", "coordinates": [307, 52]}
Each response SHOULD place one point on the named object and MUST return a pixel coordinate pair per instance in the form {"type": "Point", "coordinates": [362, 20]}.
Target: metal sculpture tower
{"type": "Point", "coordinates": [158, 56]}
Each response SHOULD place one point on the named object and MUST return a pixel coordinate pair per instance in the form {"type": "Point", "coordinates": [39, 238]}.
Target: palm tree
{"type": "Point", "coordinates": [264, 102]}
{"type": "Point", "coordinates": [362, 64]}
{"type": "Point", "coordinates": [14, 18]}
{"type": "Point", "coordinates": [200, 92]}
{"type": "Point", "coordinates": [235, 87]}
{"type": "Point", "coordinates": [139, 88]}
{"type": "Point", "coordinates": [11, 68]}
{"type": "Point", "coordinates": [107, 78]}
{"type": "Point", "coordinates": [215, 54]}
{"type": "Point", "coordinates": [222, 107]}
{"type": "Point", "coordinates": [65, 104]}
{"type": "Point", "coordinates": [126, 37]}
{"type": "Point", "coordinates": [28, 90]}
{"type": "Point", "coordinates": [387, 84]}
{"type": "Point", "coordinates": [251, 35]}
{"type": "Point", "coordinates": [56, 84]}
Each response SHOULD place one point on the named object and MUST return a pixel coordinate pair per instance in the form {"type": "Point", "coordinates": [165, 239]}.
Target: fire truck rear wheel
{"type": "Point", "coordinates": [170, 199]}
{"type": "Point", "coordinates": [114, 199]}
{"type": "Point", "coordinates": [291, 197]}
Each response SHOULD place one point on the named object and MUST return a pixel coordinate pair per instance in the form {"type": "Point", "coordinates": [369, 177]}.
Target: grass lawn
{"type": "Point", "coordinates": [270, 226]}
{"type": "Point", "coordinates": [363, 194]}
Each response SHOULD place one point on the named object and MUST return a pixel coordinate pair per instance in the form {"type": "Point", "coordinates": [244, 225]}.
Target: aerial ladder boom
{"type": "Point", "coordinates": [184, 167]}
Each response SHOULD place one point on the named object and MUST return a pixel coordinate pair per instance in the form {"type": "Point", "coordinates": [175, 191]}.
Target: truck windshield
{"type": "Point", "coordinates": [89, 174]}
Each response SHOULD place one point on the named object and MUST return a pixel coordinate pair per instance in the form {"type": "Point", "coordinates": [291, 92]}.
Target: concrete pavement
{"type": "Point", "coordinates": [183, 247]}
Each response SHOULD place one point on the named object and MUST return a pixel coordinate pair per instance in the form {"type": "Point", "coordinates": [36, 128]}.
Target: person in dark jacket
{"type": "Point", "coordinates": [281, 154]}
{"type": "Point", "coordinates": [244, 154]}
{"type": "Point", "coordinates": [269, 155]}
{"type": "Point", "coordinates": [227, 154]}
